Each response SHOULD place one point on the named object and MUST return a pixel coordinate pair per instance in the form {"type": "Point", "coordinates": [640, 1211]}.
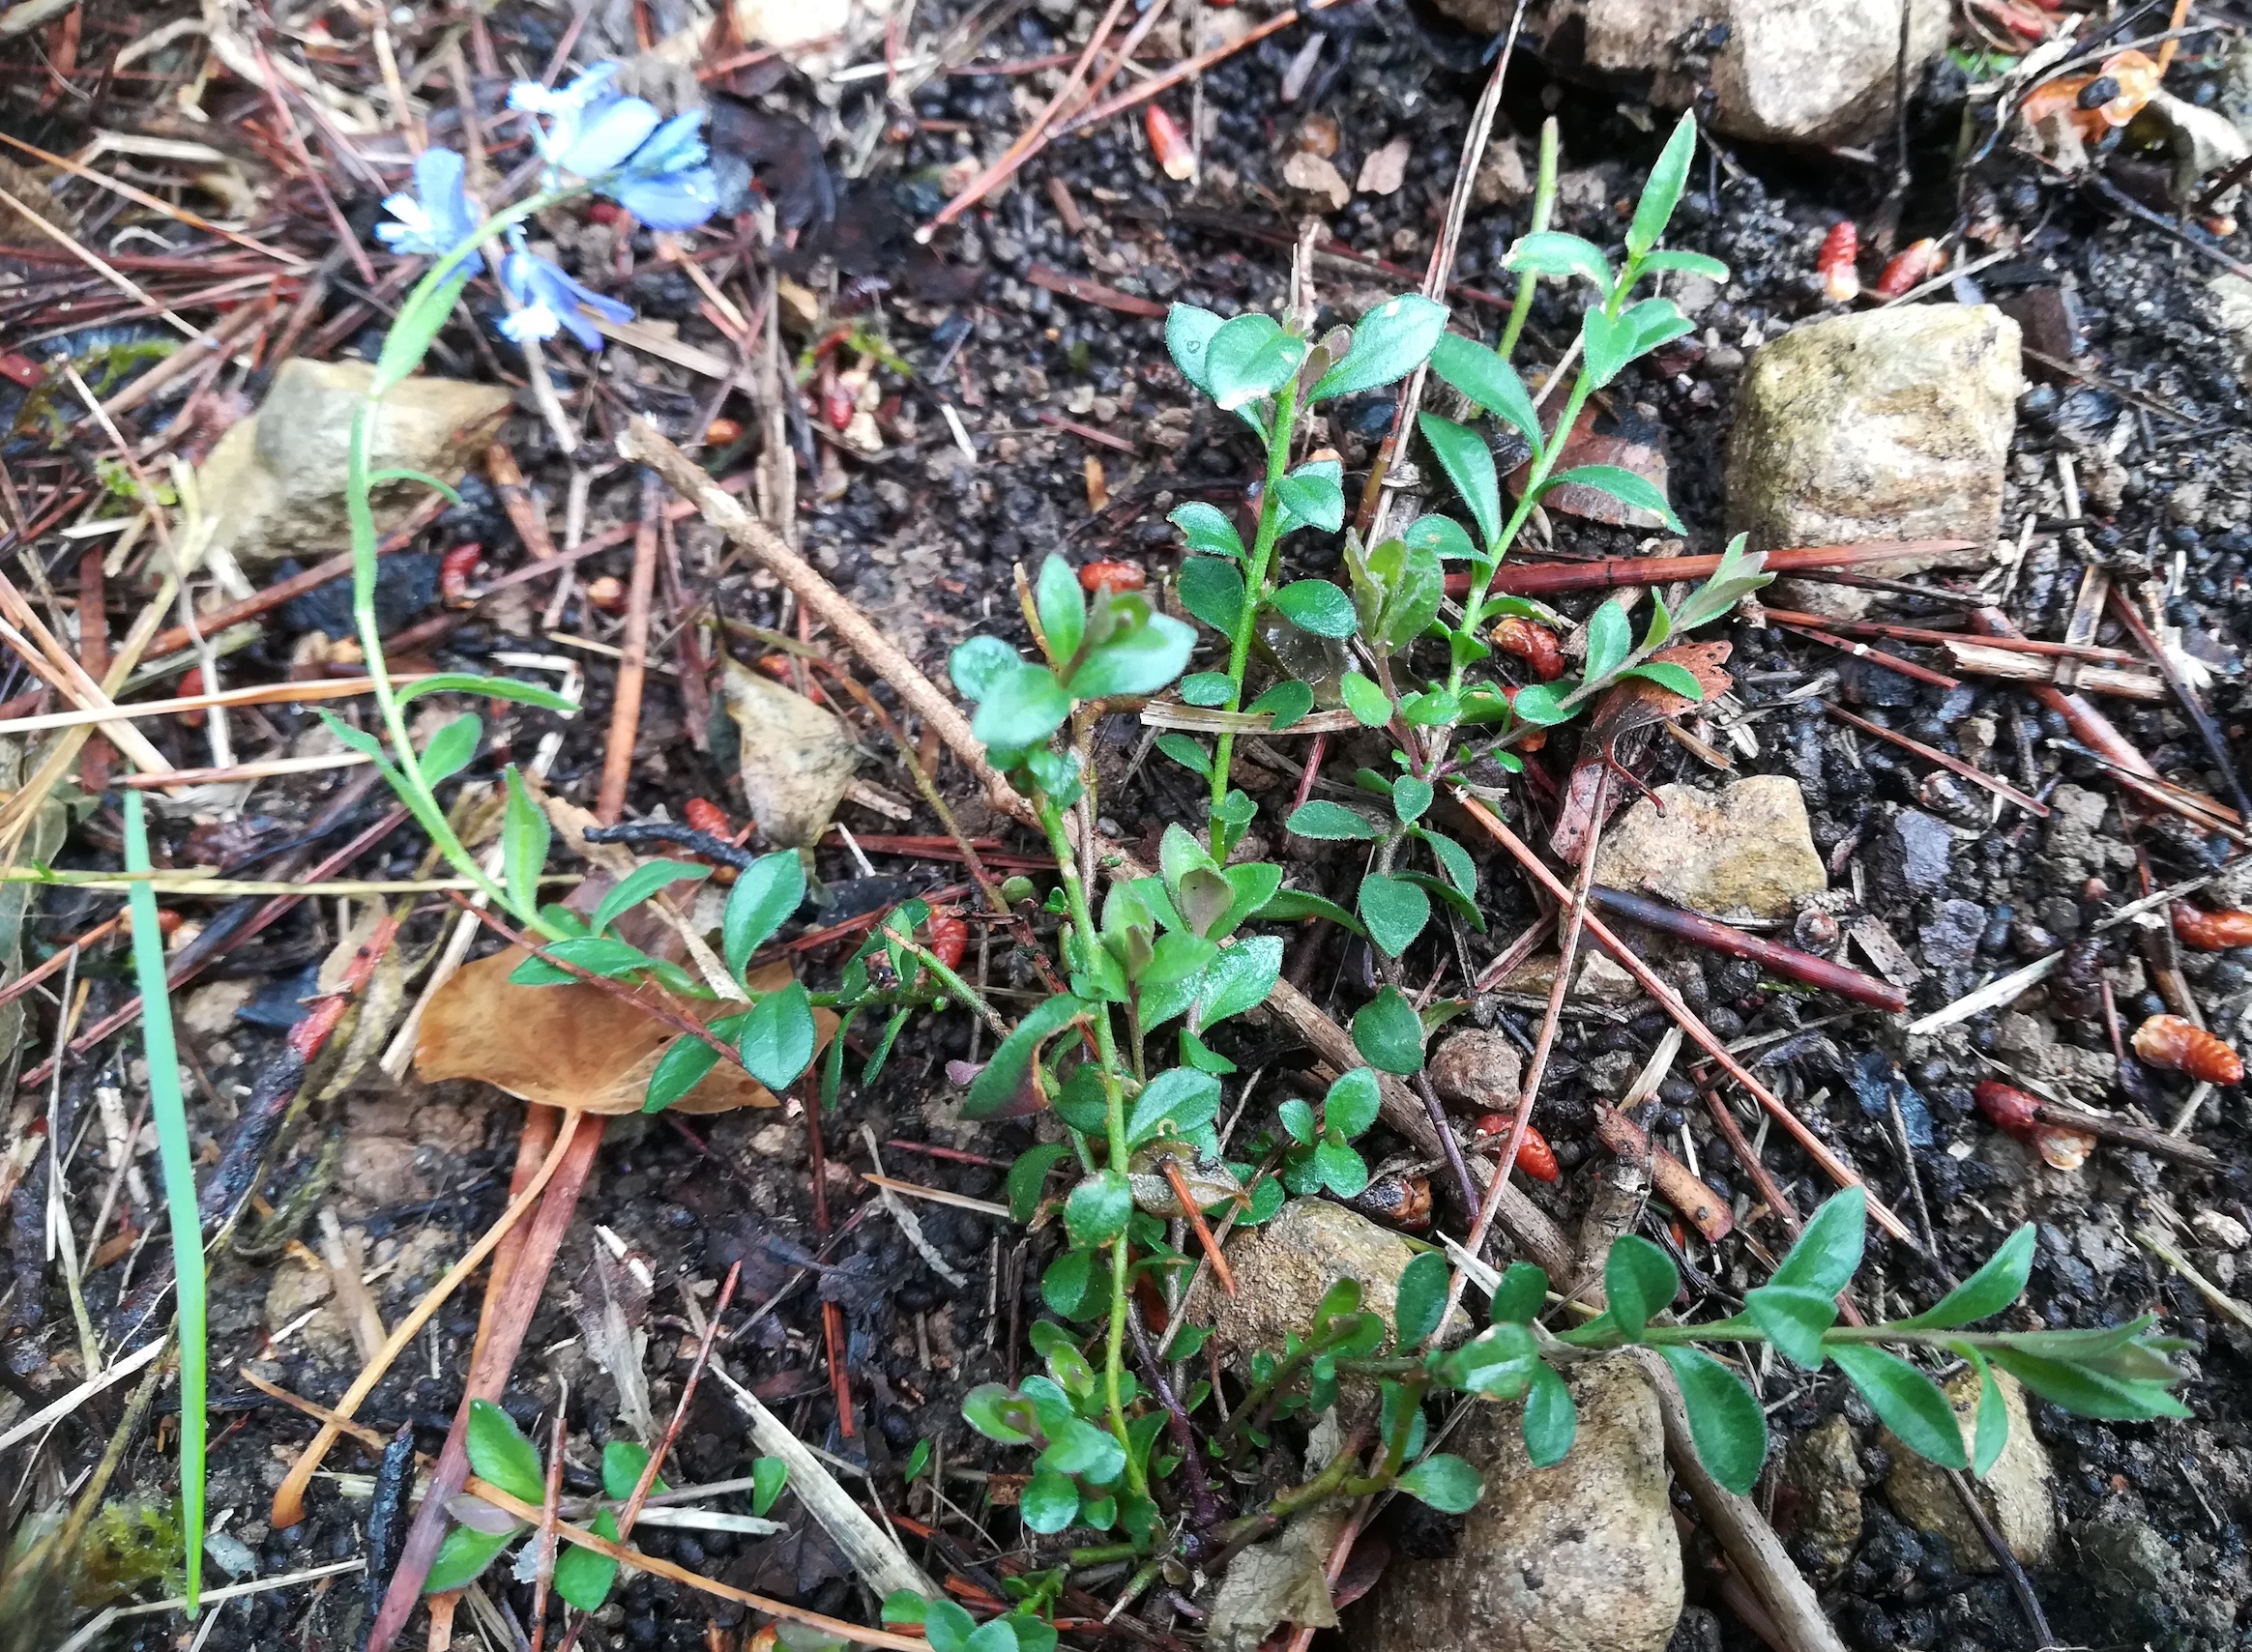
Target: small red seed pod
{"type": "Point", "coordinates": [1116, 576]}
{"type": "Point", "coordinates": [1911, 264]}
{"type": "Point", "coordinates": [722, 432]}
{"type": "Point", "coordinates": [2010, 1110]}
{"type": "Point", "coordinates": [1169, 144]}
{"type": "Point", "coordinates": [2206, 931]}
{"type": "Point", "coordinates": [705, 816]}
{"type": "Point", "coordinates": [1534, 644]}
{"type": "Point", "coordinates": [196, 681]}
{"type": "Point", "coordinates": [2170, 1041]}
{"type": "Point", "coordinates": [950, 936]}
{"type": "Point", "coordinates": [1841, 280]}
{"type": "Point", "coordinates": [1535, 1156]}
{"type": "Point", "coordinates": [453, 571]}
{"type": "Point", "coordinates": [608, 594]}
{"type": "Point", "coordinates": [1405, 1202]}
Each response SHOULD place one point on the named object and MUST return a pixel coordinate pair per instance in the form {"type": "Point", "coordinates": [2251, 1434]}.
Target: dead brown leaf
{"type": "Point", "coordinates": [577, 1046]}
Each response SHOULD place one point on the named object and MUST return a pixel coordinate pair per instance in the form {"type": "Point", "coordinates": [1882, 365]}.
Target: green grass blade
{"type": "Point", "coordinates": [169, 1110]}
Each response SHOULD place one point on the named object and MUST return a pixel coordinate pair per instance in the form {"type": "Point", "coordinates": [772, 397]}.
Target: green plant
{"type": "Point", "coordinates": [949, 1629]}
{"type": "Point", "coordinates": [168, 1108]}
{"type": "Point", "coordinates": [500, 1454]}
{"type": "Point", "coordinates": [1393, 601]}
{"type": "Point", "coordinates": [1267, 375]}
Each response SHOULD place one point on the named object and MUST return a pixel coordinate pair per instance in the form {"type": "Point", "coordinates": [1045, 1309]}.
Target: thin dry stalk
{"type": "Point", "coordinates": [1032, 138]}
{"type": "Point", "coordinates": [1569, 952]}
{"type": "Point", "coordinates": [633, 661]}
{"type": "Point", "coordinates": [289, 1499]}
{"type": "Point", "coordinates": [1650, 983]}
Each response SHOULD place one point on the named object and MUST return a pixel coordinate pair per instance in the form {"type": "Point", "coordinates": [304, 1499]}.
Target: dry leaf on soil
{"type": "Point", "coordinates": [577, 1046]}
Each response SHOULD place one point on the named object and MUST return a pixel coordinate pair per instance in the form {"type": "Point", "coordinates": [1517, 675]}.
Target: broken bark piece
{"type": "Point", "coordinates": [1698, 1205]}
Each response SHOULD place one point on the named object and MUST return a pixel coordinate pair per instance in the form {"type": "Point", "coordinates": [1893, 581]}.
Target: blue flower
{"type": "Point", "coordinates": [665, 183]}
{"type": "Point", "coordinates": [436, 217]}
{"type": "Point", "coordinates": [553, 302]}
{"type": "Point", "coordinates": [591, 130]}
{"type": "Point", "coordinates": [652, 167]}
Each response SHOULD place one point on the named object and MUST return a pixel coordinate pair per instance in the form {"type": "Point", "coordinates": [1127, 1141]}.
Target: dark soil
{"type": "Point", "coordinates": [924, 537]}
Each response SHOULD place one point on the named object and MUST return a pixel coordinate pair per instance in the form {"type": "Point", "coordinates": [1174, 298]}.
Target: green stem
{"type": "Point", "coordinates": [1115, 1128]}
{"type": "Point", "coordinates": [407, 779]}
{"type": "Point", "coordinates": [1473, 607]}
{"type": "Point", "coordinates": [950, 980]}
{"type": "Point", "coordinates": [1543, 208]}
{"type": "Point", "coordinates": [1254, 593]}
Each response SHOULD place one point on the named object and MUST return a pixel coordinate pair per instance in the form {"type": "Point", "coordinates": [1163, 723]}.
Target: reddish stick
{"type": "Point", "coordinates": [1862, 650]}
{"type": "Point", "coordinates": [1032, 138]}
{"type": "Point", "coordinates": [1717, 936]}
{"type": "Point", "coordinates": [1656, 986]}
{"type": "Point", "coordinates": [488, 1376]}
{"type": "Point", "coordinates": [94, 662]}
{"type": "Point", "coordinates": [633, 660]}
{"type": "Point", "coordinates": [1548, 579]}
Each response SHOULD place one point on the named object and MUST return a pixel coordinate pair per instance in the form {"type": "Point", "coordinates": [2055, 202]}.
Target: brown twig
{"type": "Point", "coordinates": [1753, 1549]}
{"type": "Point", "coordinates": [543, 1535]}
{"type": "Point", "coordinates": [1550, 579]}
{"type": "Point", "coordinates": [1699, 1205]}
{"type": "Point", "coordinates": [2208, 732]}
{"type": "Point", "coordinates": [2090, 726]}
{"type": "Point", "coordinates": [647, 1481]}
{"type": "Point", "coordinates": [288, 1507]}
{"type": "Point", "coordinates": [1876, 656]}
{"type": "Point", "coordinates": [1032, 138]}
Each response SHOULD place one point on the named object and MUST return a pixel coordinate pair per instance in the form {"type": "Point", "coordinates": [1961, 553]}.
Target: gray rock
{"type": "Point", "coordinates": [1478, 1070]}
{"type": "Point", "coordinates": [1824, 1467]}
{"type": "Point", "coordinates": [1911, 855]}
{"type": "Point", "coordinates": [795, 757]}
{"type": "Point", "coordinates": [1580, 1557]}
{"type": "Point", "coordinates": [2017, 1493]}
{"type": "Point", "coordinates": [1791, 70]}
{"type": "Point", "coordinates": [2144, 1591]}
{"type": "Point", "coordinates": [1890, 424]}
{"type": "Point", "coordinates": [1950, 940]}
{"type": "Point", "coordinates": [274, 482]}
{"type": "Point", "coordinates": [1283, 1267]}
{"type": "Point", "coordinates": [1745, 849]}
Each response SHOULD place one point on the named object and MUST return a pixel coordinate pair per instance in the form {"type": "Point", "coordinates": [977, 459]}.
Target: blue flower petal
{"type": "Point", "coordinates": [436, 217]}
{"type": "Point", "coordinates": [611, 132]}
{"type": "Point", "coordinates": [679, 201]}
{"type": "Point", "coordinates": [551, 299]}
{"type": "Point", "coordinates": [674, 146]}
